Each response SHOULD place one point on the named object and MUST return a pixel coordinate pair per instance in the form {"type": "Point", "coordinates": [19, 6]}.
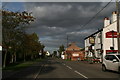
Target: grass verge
{"type": "Point", "coordinates": [18, 66]}
{"type": "Point", "coordinates": [68, 59]}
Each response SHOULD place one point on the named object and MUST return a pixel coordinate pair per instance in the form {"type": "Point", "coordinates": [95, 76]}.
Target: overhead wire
{"type": "Point", "coordinates": [96, 15]}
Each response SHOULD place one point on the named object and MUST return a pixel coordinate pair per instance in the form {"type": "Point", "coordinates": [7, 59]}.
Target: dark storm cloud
{"type": "Point", "coordinates": [56, 20]}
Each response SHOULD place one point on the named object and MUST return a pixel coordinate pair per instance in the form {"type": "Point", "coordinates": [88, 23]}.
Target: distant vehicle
{"type": "Point", "coordinates": [96, 60]}
{"type": "Point", "coordinates": [111, 62]}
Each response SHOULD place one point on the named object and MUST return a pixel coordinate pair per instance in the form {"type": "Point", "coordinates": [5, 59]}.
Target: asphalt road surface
{"type": "Point", "coordinates": [58, 68]}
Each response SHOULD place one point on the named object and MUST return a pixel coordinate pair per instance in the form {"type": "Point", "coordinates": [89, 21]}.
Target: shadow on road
{"type": "Point", "coordinates": [113, 71]}
{"type": "Point", "coordinates": [31, 71]}
{"type": "Point", "coordinates": [47, 69]}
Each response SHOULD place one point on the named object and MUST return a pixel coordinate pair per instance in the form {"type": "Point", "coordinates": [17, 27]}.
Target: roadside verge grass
{"type": "Point", "coordinates": [18, 66]}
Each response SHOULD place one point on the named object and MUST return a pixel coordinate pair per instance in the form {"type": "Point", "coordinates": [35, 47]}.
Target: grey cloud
{"type": "Point", "coordinates": [57, 20]}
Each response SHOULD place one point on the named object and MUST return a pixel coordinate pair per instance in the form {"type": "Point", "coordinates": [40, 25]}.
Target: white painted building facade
{"type": "Point", "coordinates": [96, 45]}
{"type": "Point", "coordinates": [47, 53]}
{"type": "Point", "coordinates": [109, 30]}
{"type": "Point", "coordinates": [63, 55]}
{"type": "Point", "coordinates": [104, 39]}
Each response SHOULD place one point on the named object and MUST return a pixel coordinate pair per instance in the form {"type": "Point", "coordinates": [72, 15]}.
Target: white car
{"type": "Point", "coordinates": [111, 62]}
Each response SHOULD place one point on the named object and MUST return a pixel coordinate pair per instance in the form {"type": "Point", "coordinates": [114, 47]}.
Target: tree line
{"type": "Point", "coordinates": [17, 44]}
{"type": "Point", "coordinates": [59, 51]}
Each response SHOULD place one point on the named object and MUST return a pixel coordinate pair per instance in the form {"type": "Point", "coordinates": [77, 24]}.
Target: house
{"type": "Point", "coordinates": [47, 53]}
{"type": "Point", "coordinates": [63, 56]}
{"type": "Point", "coordinates": [110, 43]}
{"type": "Point", "coordinates": [73, 52]}
{"type": "Point", "coordinates": [103, 41]}
{"type": "Point", "coordinates": [93, 44]}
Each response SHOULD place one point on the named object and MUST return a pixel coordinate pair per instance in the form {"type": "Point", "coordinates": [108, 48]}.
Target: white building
{"type": "Point", "coordinates": [103, 41]}
{"type": "Point", "coordinates": [47, 53]}
{"type": "Point", "coordinates": [94, 42]}
{"type": "Point", "coordinates": [110, 34]}
{"type": "Point", "coordinates": [63, 55]}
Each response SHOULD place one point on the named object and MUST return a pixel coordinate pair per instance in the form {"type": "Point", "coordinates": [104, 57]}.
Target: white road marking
{"type": "Point", "coordinates": [69, 67]}
{"type": "Point", "coordinates": [81, 74]}
{"type": "Point", "coordinates": [63, 64]}
{"type": "Point", "coordinates": [38, 72]}
{"type": "Point", "coordinates": [76, 71]}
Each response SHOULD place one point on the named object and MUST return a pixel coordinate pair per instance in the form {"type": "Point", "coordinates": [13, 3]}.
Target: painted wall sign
{"type": "Point", "coordinates": [111, 51]}
{"type": "Point", "coordinates": [111, 34]}
{"type": "Point", "coordinates": [75, 54]}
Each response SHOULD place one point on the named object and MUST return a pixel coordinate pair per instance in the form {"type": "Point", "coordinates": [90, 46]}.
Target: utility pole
{"type": "Point", "coordinates": [67, 41]}
{"type": "Point", "coordinates": [118, 29]}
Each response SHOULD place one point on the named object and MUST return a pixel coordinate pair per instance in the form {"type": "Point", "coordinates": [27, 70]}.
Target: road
{"type": "Point", "coordinates": [58, 68]}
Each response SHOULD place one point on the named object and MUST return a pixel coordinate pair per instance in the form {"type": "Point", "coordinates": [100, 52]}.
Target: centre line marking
{"type": "Point", "coordinates": [69, 67]}
{"type": "Point", "coordinates": [81, 74]}
{"type": "Point", "coordinates": [63, 64]}
{"type": "Point", "coordinates": [38, 72]}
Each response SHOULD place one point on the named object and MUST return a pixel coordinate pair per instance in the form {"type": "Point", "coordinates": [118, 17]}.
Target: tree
{"type": "Point", "coordinates": [13, 23]}
{"type": "Point", "coordinates": [33, 45]}
{"type": "Point", "coordinates": [61, 49]}
{"type": "Point", "coordinates": [42, 51]}
{"type": "Point", "coordinates": [54, 53]}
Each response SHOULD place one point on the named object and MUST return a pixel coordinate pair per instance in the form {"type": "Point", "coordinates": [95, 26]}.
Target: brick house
{"type": "Point", "coordinates": [74, 52]}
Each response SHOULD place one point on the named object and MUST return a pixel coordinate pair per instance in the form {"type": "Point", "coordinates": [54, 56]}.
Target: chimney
{"type": "Point", "coordinates": [114, 16]}
{"type": "Point", "coordinates": [106, 21]}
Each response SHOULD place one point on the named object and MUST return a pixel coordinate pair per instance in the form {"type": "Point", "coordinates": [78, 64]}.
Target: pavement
{"type": "Point", "coordinates": [53, 68]}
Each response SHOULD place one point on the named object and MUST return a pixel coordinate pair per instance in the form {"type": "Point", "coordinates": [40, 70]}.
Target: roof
{"type": "Point", "coordinates": [72, 51]}
{"type": "Point", "coordinates": [73, 47]}
{"type": "Point", "coordinates": [94, 33]}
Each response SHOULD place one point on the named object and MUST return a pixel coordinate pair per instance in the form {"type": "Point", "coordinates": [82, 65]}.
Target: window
{"type": "Point", "coordinates": [110, 57]}
{"type": "Point", "coordinates": [107, 57]}
{"type": "Point", "coordinates": [118, 56]}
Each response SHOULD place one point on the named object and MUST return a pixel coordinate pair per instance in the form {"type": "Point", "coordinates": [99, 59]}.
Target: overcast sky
{"type": "Point", "coordinates": [54, 21]}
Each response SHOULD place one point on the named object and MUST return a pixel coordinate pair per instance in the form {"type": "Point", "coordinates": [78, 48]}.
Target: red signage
{"type": "Point", "coordinates": [111, 34]}
{"type": "Point", "coordinates": [111, 51]}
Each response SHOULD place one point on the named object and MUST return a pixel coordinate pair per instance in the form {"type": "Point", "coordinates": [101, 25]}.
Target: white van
{"type": "Point", "coordinates": [111, 62]}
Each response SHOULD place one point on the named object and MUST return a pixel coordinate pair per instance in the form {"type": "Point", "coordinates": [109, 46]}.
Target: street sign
{"type": "Point", "coordinates": [92, 40]}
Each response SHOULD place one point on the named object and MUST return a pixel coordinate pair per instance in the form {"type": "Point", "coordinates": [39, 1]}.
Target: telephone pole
{"type": "Point", "coordinates": [67, 41]}
{"type": "Point", "coordinates": [118, 29]}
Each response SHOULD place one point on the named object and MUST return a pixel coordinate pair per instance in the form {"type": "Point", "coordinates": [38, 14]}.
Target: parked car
{"type": "Point", "coordinates": [111, 62]}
